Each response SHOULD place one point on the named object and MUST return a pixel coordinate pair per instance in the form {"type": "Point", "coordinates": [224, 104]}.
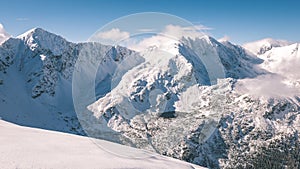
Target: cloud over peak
{"type": "Point", "coordinates": [113, 35]}
{"type": "Point", "coordinates": [3, 34]}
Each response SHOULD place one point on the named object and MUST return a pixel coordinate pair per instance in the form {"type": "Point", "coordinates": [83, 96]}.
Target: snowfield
{"type": "Point", "coordinates": [29, 148]}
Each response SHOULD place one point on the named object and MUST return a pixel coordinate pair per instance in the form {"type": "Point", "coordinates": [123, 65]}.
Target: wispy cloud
{"type": "Point", "coordinates": [268, 86]}
{"type": "Point", "coordinates": [22, 19]}
{"type": "Point", "coordinates": [112, 36]}
{"type": "Point", "coordinates": [203, 27]}
{"type": "Point", "coordinates": [224, 38]}
{"type": "Point", "coordinates": [146, 30]}
{"type": "Point", "coordinates": [179, 31]}
{"type": "Point", "coordinates": [169, 35]}
{"type": "Point", "coordinates": [3, 34]}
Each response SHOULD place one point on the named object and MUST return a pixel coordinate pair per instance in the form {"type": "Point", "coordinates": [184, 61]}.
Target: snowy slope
{"type": "Point", "coordinates": [23, 148]}
{"type": "Point", "coordinates": [236, 62]}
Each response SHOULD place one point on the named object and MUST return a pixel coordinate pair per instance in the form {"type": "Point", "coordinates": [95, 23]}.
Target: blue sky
{"type": "Point", "coordinates": [241, 20]}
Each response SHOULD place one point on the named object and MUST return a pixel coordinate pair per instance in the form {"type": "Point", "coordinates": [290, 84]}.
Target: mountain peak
{"type": "Point", "coordinates": [208, 38]}
{"type": "Point", "coordinates": [44, 39]}
{"type": "Point", "coordinates": [205, 38]}
{"type": "Point", "coordinates": [32, 32]}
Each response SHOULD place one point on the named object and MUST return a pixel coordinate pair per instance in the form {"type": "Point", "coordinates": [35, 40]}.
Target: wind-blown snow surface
{"type": "Point", "coordinates": [24, 148]}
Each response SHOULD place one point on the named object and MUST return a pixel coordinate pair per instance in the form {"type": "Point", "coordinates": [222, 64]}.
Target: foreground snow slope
{"type": "Point", "coordinates": [22, 148]}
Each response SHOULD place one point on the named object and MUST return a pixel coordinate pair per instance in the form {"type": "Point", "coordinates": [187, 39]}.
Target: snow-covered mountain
{"type": "Point", "coordinates": [207, 102]}
{"type": "Point", "coordinates": [36, 79]}
{"type": "Point", "coordinates": [264, 45]}
{"type": "Point", "coordinates": [165, 91]}
{"type": "Point", "coordinates": [282, 63]}
{"type": "Point", "coordinates": [283, 60]}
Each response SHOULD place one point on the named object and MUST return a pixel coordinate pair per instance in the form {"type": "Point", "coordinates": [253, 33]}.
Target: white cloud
{"type": "Point", "coordinates": [202, 27]}
{"type": "Point", "coordinates": [114, 35]}
{"type": "Point", "coordinates": [22, 19]}
{"type": "Point", "coordinates": [283, 63]}
{"type": "Point", "coordinates": [179, 32]}
{"type": "Point", "coordinates": [223, 39]}
{"type": "Point", "coordinates": [3, 34]}
{"type": "Point", "coordinates": [160, 41]}
{"type": "Point", "coordinates": [146, 30]}
{"type": "Point", "coordinates": [268, 86]}
{"type": "Point", "coordinates": [169, 35]}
